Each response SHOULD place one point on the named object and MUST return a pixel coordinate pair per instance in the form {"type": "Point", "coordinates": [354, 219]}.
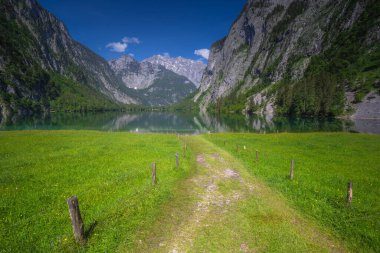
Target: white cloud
{"type": "Point", "coordinates": [131, 55]}
{"type": "Point", "coordinates": [166, 54]}
{"type": "Point", "coordinates": [118, 47]}
{"type": "Point", "coordinates": [205, 53]}
{"type": "Point", "coordinates": [132, 40]}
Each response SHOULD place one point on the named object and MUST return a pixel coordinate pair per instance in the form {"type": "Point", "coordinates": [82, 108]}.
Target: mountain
{"type": "Point", "coordinates": [169, 88]}
{"type": "Point", "coordinates": [153, 84]}
{"type": "Point", "coordinates": [134, 74]}
{"type": "Point", "coordinates": [43, 68]}
{"type": "Point", "coordinates": [298, 57]}
{"type": "Point", "coordinates": [191, 69]}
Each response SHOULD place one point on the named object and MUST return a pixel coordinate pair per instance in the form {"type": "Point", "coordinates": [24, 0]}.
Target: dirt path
{"type": "Point", "coordinates": [212, 203]}
{"type": "Point", "coordinates": [230, 211]}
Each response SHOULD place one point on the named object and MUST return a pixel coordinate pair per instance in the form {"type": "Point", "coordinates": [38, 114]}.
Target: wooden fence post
{"type": "Point", "coordinates": [257, 156]}
{"type": "Point", "coordinates": [177, 160]}
{"type": "Point", "coordinates": [291, 171]}
{"type": "Point", "coordinates": [154, 178]}
{"type": "Point", "coordinates": [76, 219]}
{"type": "Point", "coordinates": [349, 192]}
{"type": "Point", "coordinates": [184, 150]}
{"type": "Point", "coordinates": [237, 148]}
{"type": "Point", "coordinates": [224, 143]}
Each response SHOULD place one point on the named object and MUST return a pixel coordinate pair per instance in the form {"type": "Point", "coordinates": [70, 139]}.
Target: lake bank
{"type": "Point", "coordinates": [171, 122]}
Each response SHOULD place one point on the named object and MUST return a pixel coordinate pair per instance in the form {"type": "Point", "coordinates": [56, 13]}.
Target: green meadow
{"type": "Point", "coordinates": [324, 164]}
{"type": "Point", "coordinates": [110, 173]}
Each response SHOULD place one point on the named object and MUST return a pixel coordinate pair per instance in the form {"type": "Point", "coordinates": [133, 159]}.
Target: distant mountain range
{"type": "Point", "coordinates": [138, 75]}
{"type": "Point", "coordinates": [153, 83]}
{"type": "Point", "coordinates": [135, 75]}
{"type": "Point", "coordinates": [191, 69]}
{"type": "Point", "coordinates": [42, 68]}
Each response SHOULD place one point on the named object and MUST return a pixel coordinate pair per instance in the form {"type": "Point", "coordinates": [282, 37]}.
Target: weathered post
{"type": "Point", "coordinates": [154, 178]}
{"type": "Point", "coordinates": [177, 160]}
{"type": "Point", "coordinates": [291, 171]}
{"type": "Point", "coordinates": [349, 192]}
{"type": "Point", "coordinates": [237, 148]}
{"type": "Point", "coordinates": [257, 156]}
{"type": "Point", "coordinates": [184, 150]}
{"type": "Point", "coordinates": [224, 143]}
{"type": "Point", "coordinates": [76, 219]}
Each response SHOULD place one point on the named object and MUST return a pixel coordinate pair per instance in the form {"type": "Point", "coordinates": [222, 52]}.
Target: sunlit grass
{"type": "Point", "coordinates": [110, 173]}
{"type": "Point", "coordinates": [324, 164]}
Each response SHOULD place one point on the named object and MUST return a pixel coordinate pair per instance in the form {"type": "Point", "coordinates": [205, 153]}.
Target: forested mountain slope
{"type": "Point", "coordinates": [42, 67]}
{"type": "Point", "coordinates": [298, 57]}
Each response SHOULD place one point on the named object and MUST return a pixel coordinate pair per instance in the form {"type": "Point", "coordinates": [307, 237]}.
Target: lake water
{"type": "Point", "coordinates": [185, 123]}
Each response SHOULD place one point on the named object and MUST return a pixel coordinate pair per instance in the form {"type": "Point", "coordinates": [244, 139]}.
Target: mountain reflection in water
{"type": "Point", "coordinates": [167, 122]}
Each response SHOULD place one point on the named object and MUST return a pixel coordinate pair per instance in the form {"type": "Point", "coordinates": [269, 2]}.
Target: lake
{"type": "Point", "coordinates": [185, 123]}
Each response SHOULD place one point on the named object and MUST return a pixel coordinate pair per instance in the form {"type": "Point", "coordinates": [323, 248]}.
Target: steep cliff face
{"type": "Point", "coordinates": [35, 48]}
{"type": "Point", "coordinates": [279, 54]}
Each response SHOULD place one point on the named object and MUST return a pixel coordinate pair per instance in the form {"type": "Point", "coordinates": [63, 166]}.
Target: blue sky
{"type": "Point", "coordinates": [148, 27]}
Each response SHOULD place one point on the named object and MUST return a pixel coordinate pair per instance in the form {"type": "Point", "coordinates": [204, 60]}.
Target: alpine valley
{"type": "Point", "coordinates": [293, 57]}
{"type": "Point", "coordinates": [43, 69]}
{"type": "Point", "coordinates": [272, 146]}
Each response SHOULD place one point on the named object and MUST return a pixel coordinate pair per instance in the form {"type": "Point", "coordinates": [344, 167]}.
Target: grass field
{"type": "Point", "coordinates": [324, 163]}
{"type": "Point", "coordinates": [111, 175]}
{"type": "Point", "coordinates": [231, 211]}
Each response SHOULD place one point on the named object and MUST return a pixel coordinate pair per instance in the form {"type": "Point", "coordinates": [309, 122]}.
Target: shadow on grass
{"type": "Point", "coordinates": [90, 230]}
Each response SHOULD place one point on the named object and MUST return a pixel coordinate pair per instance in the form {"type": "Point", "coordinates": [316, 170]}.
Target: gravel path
{"type": "Point", "coordinates": [212, 203]}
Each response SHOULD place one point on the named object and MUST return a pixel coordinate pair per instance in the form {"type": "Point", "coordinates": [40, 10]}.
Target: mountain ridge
{"type": "Point", "coordinates": [193, 70]}
{"type": "Point", "coordinates": [39, 59]}
{"type": "Point", "coordinates": [42, 69]}
{"type": "Point", "coordinates": [134, 74]}
{"type": "Point", "coordinates": [153, 84]}
{"type": "Point", "coordinates": [275, 48]}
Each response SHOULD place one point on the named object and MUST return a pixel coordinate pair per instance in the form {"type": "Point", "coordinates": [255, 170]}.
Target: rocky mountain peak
{"type": "Point", "coordinates": [191, 69]}
{"type": "Point", "coordinates": [124, 59]}
{"type": "Point", "coordinates": [153, 83]}
{"type": "Point", "coordinates": [122, 63]}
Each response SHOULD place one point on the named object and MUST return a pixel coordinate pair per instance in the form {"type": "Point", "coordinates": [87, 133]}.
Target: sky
{"type": "Point", "coordinates": [143, 28]}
